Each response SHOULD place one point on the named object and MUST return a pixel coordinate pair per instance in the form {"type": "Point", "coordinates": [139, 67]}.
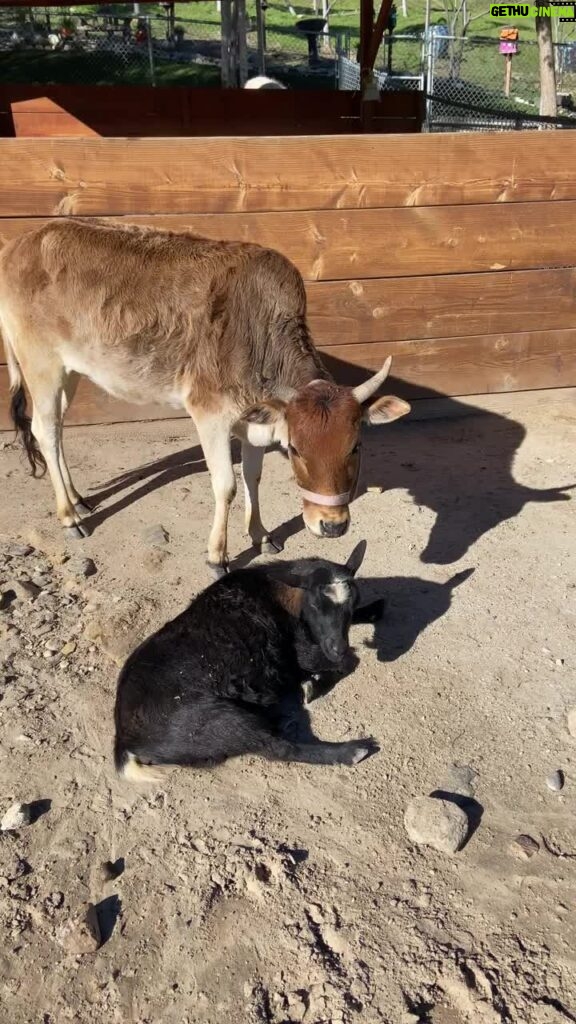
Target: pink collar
{"type": "Point", "coordinates": [328, 500]}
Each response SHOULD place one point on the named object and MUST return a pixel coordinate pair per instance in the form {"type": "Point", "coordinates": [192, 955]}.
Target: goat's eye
{"type": "Point", "coordinates": [293, 451]}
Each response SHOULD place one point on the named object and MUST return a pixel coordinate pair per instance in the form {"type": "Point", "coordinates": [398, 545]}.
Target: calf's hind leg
{"type": "Point", "coordinates": [69, 385]}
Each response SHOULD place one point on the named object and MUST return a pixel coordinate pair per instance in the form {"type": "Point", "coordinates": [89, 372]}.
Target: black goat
{"type": "Point", "coordinates": [225, 677]}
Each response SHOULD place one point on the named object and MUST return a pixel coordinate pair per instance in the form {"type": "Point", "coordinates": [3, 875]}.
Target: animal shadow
{"type": "Point", "coordinates": [411, 605]}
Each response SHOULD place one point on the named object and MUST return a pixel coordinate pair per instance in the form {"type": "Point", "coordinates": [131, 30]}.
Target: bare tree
{"type": "Point", "coordinates": [548, 106]}
{"type": "Point", "coordinates": [459, 19]}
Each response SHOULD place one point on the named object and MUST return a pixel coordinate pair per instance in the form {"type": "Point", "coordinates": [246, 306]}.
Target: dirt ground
{"type": "Point", "coordinates": [280, 893]}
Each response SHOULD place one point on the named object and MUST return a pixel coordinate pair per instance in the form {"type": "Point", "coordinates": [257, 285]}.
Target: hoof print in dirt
{"type": "Point", "coordinates": [81, 934]}
{"type": "Point", "coordinates": [112, 869]}
{"type": "Point", "coordinates": [524, 847]}
{"type": "Point", "coordinates": [437, 823]}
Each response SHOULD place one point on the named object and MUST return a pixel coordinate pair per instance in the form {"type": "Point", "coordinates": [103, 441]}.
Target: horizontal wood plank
{"type": "Point", "coordinates": [464, 366]}
{"type": "Point", "coordinates": [349, 312]}
{"type": "Point", "coordinates": [450, 367]}
{"type": "Point", "coordinates": [118, 176]}
{"type": "Point", "coordinates": [330, 245]}
{"type": "Point", "coordinates": [460, 305]}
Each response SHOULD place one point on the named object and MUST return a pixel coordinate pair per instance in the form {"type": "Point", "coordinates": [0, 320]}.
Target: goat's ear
{"type": "Point", "coordinates": [385, 410]}
{"type": "Point", "coordinates": [356, 558]}
{"type": "Point", "coordinates": [265, 424]}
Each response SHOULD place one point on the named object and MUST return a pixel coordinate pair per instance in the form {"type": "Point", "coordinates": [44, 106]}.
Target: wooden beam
{"type": "Point", "coordinates": [43, 177]}
{"type": "Point", "coordinates": [378, 32]}
{"type": "Point", "coordinates": [353, 246]}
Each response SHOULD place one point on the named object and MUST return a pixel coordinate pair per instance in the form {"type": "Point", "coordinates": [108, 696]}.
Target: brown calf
{"type": "Point", "coordinates": [216, 328]}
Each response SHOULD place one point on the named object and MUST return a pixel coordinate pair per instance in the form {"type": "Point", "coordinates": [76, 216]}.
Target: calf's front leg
{"type": "Point", "coordinates": [214, 433]}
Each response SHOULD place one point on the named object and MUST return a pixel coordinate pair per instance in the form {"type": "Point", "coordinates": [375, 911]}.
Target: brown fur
{"type": "Point", "coordinates": [157, 316]}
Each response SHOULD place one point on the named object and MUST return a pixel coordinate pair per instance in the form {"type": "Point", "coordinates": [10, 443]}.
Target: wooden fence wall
{"type": "Point", "coordinates": [456, 254]}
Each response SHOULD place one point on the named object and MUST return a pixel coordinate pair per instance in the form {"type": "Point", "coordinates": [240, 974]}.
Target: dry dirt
{"type": "Point", "coordinates": [277, 893]}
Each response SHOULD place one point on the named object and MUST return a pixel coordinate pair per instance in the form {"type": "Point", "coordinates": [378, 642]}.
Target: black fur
{"type": "Point", "coordinates": [23, 425]}
{"type": "Point", "coordinates": [222, 679]}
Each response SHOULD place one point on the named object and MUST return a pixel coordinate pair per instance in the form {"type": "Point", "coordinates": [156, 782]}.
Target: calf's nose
{"type": "Point", "coordinates": [332, 529]}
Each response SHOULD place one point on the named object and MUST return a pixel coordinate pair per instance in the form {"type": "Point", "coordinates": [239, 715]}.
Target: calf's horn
{"type": "Point", "coordinates": [365, 391]}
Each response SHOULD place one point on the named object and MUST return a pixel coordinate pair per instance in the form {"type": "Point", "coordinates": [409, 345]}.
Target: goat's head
{"type": "Point", "coordinates": [319, 426]}
{"type": "Point", "coordinates": [330, 596]}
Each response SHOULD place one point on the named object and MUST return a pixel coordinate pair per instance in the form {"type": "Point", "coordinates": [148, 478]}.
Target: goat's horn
{"type": "Point", "coordinates": [365, 391]}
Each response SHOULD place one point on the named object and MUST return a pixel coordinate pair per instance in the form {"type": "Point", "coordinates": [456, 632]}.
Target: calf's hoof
{"type": "Point", "coordinates": [83, 508]}
{"type": "Point", "coordinates": [270, 547]}
{"type": "Point", "coordinates": [217, 570]}
{"type": "Point", "coordinates": [76, 532]}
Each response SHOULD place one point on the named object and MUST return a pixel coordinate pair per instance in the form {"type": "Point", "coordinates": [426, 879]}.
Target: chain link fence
{"type": "Point", "coordinates": [111, 46]}
{"type": "Point", "coordinates": [464, 78]}
{"type": "Point", "coordinates": [468, 88]}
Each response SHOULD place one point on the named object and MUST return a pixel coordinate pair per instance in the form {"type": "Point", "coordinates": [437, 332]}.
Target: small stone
{"type": "Point", "coordinates": [155, 535]}
{"type": "Point", "coordinates": [68, 648]}
{"type": "Point", "coordinates": [19, 550]}
{"type": "Point", "coordinates": [436, 823]}
{"type": "Point", "coordinates": [53, 646]}
{"type": "Point", "coordinates": [16, 817]}
{"type": "Point", "coordinates": [524, 847]}
{"type": "Point", "coordinates": [82, 567]}
{"type": "Point", "coordinates": [25, 590]}
{"type": "Point", "coordinates": [555, 781]}
{"type": "Point", "coordinates": [571, 720]}
{"type": "Point", "coordinates": [81, 934]}
{"type": "Point", "coordinates": [375, 489]}
{"type": "Point", "coordinates": [42, 580]}
{"type": "Point", "coordinates": [559, 662]}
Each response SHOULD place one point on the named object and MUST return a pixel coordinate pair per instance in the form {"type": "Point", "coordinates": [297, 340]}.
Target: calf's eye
{"type": "Point", "coordinates": [293, 451]}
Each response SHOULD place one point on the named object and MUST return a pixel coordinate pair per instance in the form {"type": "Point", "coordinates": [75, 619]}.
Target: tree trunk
{"type": "Point", "coordinates": [547, 69]}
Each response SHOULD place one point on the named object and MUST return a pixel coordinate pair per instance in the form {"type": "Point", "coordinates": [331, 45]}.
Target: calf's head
{"type": "Point", "coordinates": [319, 426]}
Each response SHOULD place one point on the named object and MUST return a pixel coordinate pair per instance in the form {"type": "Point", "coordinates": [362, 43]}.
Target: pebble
{"type": "Point", "coordinates": [19, 550]}
{"type": "Point", "coordinates": [16, 817]}
{"type": "Point", "coordinates": [53, 646]}
{"type": "Point", "coordinates": [81, 934]}
{"type": "Point", "coordinates": [375, 489]}
{"type": "Point", "coordinates": [155, 535]}
{"type": "Point", "coordinates": [82, 567]}
{"type": "Point", "coordinates": [555, 781]}
{"type": "Point", "coordinates": [524, 847]}
{"type": "Point", "coordinates": [571, 720]}
{"type": "Point", "coordinates": [436, 823]}
{"type": "Point", "coordinates": [25, 590]}
{"type": "Point", "coordinates": [68, 648]}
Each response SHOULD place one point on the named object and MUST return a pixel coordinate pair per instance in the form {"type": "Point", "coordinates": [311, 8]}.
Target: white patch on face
{"type": "Point", "coordinates": [338, 593]}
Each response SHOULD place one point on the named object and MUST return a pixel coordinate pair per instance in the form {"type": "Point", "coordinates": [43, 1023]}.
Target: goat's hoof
{"type": "Point", "coordinates": [83, 508]}
{"type": "Point", "coordinates": [76, 532]}
{"type": "Point", "coordinates": [308, 691]}
{"type": "Point", "coordinates": [217, 570]}
{"type": "Point", "coordinates": [270, 547]}
{"type": "Point", "coordinates": [359, 750]}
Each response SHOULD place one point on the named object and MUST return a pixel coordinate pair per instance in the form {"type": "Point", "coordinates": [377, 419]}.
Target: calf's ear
{"type": "Point", "coordinates": [264, 424]}
{"type": "Point", "coordinates": [385, 410]}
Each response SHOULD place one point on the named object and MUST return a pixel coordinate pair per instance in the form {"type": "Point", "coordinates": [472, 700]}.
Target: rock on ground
{"type": "Point", "coordinates": [436, 823]}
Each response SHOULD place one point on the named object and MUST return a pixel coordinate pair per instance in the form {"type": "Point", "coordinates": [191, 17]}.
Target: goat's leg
{"type": "Point", "coordinates": [214, 433]}
{"type": "Point", "coordinates": [252, 459]}
{"type": "Point", "coordinates": [69, 386]}
{"type": "Point", "coordinates": [46, 384]}
{"type": "Point", "coordinates": [204, 735]}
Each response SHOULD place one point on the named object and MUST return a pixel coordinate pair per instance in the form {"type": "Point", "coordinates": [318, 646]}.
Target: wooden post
{"type": "Point", "coordinates": [261, 38]}
{"type": "Point", "coordinates": [226, 25]}
{"type": "Point", "coordinates": [241, 41]}
{"type": "Point", "coordinates": [507, 74]}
